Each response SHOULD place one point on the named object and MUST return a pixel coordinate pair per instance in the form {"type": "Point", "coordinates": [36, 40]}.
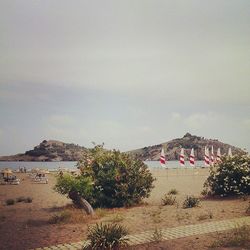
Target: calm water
{"type": "Point", "coordinates": [72, 164]}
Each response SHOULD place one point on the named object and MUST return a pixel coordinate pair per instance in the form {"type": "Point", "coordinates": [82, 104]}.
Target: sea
{"type": "Point", "coordinates": [71, 165]}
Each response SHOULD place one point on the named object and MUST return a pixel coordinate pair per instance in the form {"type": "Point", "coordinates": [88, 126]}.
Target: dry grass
{"type": "Point", "coordinates": [238, 237]}
{"type": "Point", "coordinates": [101, 212]}
{"type": "Point", "coordinates": [116, 218]}
{"type": "Point", "coordinates": [157, 235]}
{"type": "Point", "coordinates": [168, 200]}
{"type": "Point", "coordinates": [205, 216]}
{"type": "Point", "coordinates": [70, 215]}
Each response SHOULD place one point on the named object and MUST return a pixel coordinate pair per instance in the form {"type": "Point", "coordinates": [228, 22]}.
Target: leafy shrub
{"type": "Point", "coordinates": [231, 176]}
{"type": "Point", "coordinates": [109, 179]}
{"type": "Point", "coordinates": [168, 200]}
{"type": "Point", "coordinates": [173, 191]}
{"type": "Point", "coordinates": [190, 202]}
{"type": "Point", "coordinates": [68, 183]}
{"type": "Point", "coordinates": [28, 200]}
{"type": "Point", "coordinates": [107, 236]}
{"type": "Point", "coordinates": [10, 202]}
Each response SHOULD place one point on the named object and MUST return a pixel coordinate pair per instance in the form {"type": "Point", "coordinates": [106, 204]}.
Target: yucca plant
{"type": "Point", "coordinates": [107, 236]}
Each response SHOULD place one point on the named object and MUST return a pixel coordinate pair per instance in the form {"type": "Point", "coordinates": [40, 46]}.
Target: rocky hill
{"type": "Point", "coordinates": [49, 151]}
{"type": "Point", "coordinates": [188, 141]}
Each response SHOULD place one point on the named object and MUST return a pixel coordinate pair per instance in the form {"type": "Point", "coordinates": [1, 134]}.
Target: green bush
{"type": "Point", "coordinates": [109, 179]}
{"type": "Point", "coordinates": [190, 202]}
{"type": "Point", "coordinates": [68, 183]}
{"type": "Point", "coordinates": [231, 176]}
{"type": "Point", "coordinates": [107, 236]}
{"type": "Point", "coordinates": [10, 202]}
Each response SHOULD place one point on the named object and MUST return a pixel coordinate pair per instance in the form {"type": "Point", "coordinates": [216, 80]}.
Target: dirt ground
{"type": "Point", "coordinates": [26, 225]}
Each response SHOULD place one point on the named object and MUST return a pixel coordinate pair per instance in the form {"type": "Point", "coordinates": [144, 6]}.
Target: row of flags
{"type": "Point", "coordinates": [209, 159]}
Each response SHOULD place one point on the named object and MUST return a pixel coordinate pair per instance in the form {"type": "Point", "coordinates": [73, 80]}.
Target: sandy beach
{"type": "Point", "coordinates": [27, 225]}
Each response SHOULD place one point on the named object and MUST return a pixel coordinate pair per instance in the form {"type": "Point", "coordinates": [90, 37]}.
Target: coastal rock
{"type": "Point", "coordinates": [50, 151]}
{"type": "Point", "coordinates": [188, 141]}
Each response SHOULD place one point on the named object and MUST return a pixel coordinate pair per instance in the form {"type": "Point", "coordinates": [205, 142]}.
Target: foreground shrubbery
{"type": "Point", "coordinates": [108, 179]}
{"type": "Point", "coordinates": [231, 176]}
{"type": "Point", "coordinates": [107, 236]}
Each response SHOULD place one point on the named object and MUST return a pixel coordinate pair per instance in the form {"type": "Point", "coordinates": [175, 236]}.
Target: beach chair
{"type": "Point", "coordinates": [12, 180]}
{"type": "Point", "coordinates": [41, 178]}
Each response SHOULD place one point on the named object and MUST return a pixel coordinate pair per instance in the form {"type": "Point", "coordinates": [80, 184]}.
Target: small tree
{"type": "Point", "coordinates": [108, 178]}
{"type": "Point", "coordinates": [79, 189]}
{"type": "Point", "coordinates": [231, 176]}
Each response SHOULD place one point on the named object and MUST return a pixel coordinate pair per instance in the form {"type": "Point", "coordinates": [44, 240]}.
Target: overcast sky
{"type": "Point", "coordinates": [128, 73]}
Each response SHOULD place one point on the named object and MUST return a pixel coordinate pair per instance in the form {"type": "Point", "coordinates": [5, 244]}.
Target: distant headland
{"type": "Point", "coordinates": [188, 141]}
{"type": "Point", "coordinates": [53, 150]}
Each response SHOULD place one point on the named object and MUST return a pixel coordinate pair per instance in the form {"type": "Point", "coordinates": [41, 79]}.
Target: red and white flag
{"type": "Point", "coordinates": [218, 156]}
{"type": "Point", "coordinates": [182, 159]}
{"type": "Point", "coordinates": [191, 158]}
{"type": "Point", "coordinates": [212, 156]}
{"type": "Point", "coordinates": [162, 158]}
{"type": "Point", "coordinates": [206, 157]}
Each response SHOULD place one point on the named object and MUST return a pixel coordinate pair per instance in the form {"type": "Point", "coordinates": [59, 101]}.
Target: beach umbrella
{"type": "Point", "coordinates": [35, 170]}
{"type": "Point", "coordinates": [162, 158]}
{"type": "Point", "coordinates": [212, 156]}
{"type": "Point", "coordinates": [182, 159]}
{"type": "Point", "coordinates": [218, 156]}
{"type": "Point", "coordinates": [206, 156]}
{"type": "Point", "coordinates": [6, 171]}
{"type": "Point", "coordinates": [42, 171]}
{"type": "Point", "coordinates": [191, 158]}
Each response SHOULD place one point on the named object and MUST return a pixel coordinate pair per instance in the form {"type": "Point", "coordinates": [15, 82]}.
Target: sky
{"type": "Point", "coordinates": [128, 73]}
